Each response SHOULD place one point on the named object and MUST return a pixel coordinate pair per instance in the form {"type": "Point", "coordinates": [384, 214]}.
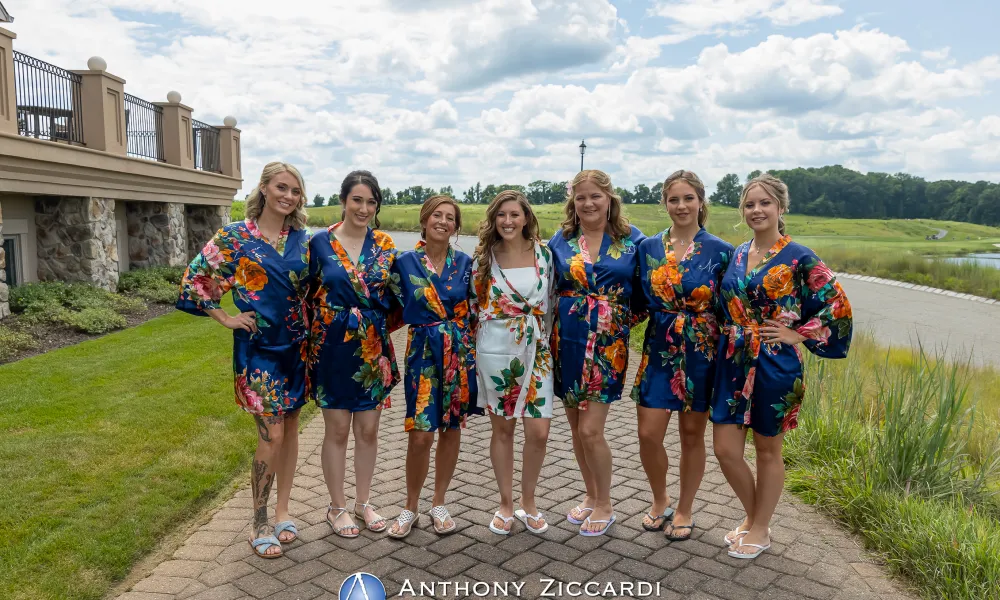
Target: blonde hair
{"type": "Point", "coordinates": [489, 237]}
{"type": "Point", "coordinates": [431, 204]}
{"type": "Point", "coordinates": [255, 203]}
{"type": "Point", "coordinates": [773, 187]}
{"type": "Point", "coordinates": [618, 224]}
{"type": "Point", "coordinates": [694, 181]}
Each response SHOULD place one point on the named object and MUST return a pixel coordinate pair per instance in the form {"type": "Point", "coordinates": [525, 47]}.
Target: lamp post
{"type": "Point", "coordinates": [583, 148]}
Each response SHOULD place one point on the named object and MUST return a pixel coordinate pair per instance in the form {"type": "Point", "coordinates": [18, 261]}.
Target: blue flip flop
{"type": "Point", "coordinates": [602, 531]}
{"type": "Point", "coordinates": [289, 527]}
{"type": "Point", "coordinates": [262, 545]}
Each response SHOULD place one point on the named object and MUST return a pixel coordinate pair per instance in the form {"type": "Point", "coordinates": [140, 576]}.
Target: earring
{"type": "Point", "coordinates": [609, 212]}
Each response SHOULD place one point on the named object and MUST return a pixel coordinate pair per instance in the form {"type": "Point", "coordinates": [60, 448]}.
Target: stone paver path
{"type": "Point", "coordinates": [810, 556]}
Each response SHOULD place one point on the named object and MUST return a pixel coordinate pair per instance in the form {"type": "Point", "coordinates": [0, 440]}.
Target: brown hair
{"type": "Point", "coordinates": [694, 181]}
{"type": "Point", "coordinates": [489, 237]}
{"type": "Point", "coordinates": [773, 187]}
{"type": "Point", "coordinates": [431, 204]}
{"type": "Point", "coordinates": [618, 224]}
{"type": "Point", "coordinates": [255, 203]}
{"type": "Point", "coordinates": [364, 178]}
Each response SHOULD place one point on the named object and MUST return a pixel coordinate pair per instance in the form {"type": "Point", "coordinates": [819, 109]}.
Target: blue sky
{"type": "Point", "coordinates": [450, 92]}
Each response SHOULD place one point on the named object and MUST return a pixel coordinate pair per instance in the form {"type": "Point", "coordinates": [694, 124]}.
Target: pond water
{"type": "Point", "coordinates": [985, 259]}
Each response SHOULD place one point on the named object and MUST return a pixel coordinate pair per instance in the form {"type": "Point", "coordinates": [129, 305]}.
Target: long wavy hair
{"type": "Point", "coordinates": [617, 223]}
{"type": "Point", "coordinates": [694, 181]}
{"type": "Point", "coordinates": [431, 204]}
{"type": "Point", "coordinates": [365, 178]}
{"type": "Point", "coordinates": [489, 237]}
{"type": "Point", "coordinates": [773, 187]}
{"type": "Point", "coordinates": [255, 203]}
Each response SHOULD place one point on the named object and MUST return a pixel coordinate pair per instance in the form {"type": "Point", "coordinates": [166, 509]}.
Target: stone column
{"type": "Point", "coordinates": [77, 240]}
{"type": "Point", "coordinates": [229, 149]}
{"type": "Point", "coordinates": [102, 100]}
{"type": "Point", "coordinates": [8, 103]}
{"type": "Point", "coordinates": [4, 292]}
{"type": "Point", "coordinates": [202, 223]}
{"type": "Point", "coordinates": [157, 234]}
{"type": "Point", "coordinates": [178, 144]}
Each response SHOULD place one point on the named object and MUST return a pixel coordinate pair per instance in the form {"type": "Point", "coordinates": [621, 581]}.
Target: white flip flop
{"type": "Point", "coordinates": [505, 520]}
{"type": "Point", "coordinates": [524, 516]}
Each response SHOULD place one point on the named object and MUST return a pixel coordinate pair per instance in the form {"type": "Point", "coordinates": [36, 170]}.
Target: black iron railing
{"type": "Point", "coordinates": [144, 124]}
{"type": "Point", "coordinates": [48, 100]}
{"type": "Point", "coordinates": [206, 147]}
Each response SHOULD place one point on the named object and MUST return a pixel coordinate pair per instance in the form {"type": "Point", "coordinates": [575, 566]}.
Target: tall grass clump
{"type": "Point", "coordinates": [890, 449]}
{"type": "Point", "coordinates": [902, 265]}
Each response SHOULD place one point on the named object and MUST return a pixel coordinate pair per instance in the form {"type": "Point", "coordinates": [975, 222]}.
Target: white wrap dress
{"type": "Point", "coordinates": [513, 358]}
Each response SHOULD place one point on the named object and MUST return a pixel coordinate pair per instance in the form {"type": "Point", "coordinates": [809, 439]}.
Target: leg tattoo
{"type": "Point", "coordinates": [262, 428]}
{"type": "Point", "coordinates": [260, 484]}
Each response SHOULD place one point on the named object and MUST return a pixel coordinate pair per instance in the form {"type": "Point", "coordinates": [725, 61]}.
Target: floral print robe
{"type": "Point", "coordinates": [512, 338]}
{"type": "Point", "coordinates": [760, 385]}
{"type": "Point", "coordinates": [352, 364]}
{"type": "Point", "coordinates": [269, 367]}
{"type": "Point", "coordinates": [440, 373]}
{"type": "Point", "coordinates": [677, 370]}
{"type": "Point", "coordinates": [594, 312]}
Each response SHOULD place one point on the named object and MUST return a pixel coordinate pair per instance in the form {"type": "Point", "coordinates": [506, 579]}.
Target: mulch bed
{"type": "Point", "coordinates": [52, 336]}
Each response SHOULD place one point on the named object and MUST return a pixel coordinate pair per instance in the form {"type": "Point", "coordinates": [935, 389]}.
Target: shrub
{"type": "Point", "coordinates": [156, 284]}
{"type": "Point", "coordinates": [84, 307]}
{"type": "Point", "coordinates": [93, 320]}
{"type": "Point", "coordinates": [12, 342]}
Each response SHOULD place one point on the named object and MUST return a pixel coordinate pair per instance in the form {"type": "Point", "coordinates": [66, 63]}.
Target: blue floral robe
{"type": "Point", "coordinates": [352, 364]}
{"type": "Point", "coordinates": [440, 377]}
{"type": "Point", "coordinates": [760, 385]}
{"type": "Point", "coordinates": [677, 370]}
{"type": "Point", "coordinates": [595, 311]}
{"type": "Point", "coordinates": [269, 367]}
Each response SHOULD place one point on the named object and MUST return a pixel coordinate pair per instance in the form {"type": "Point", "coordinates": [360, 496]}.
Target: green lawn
{"type": "Point", "coordinates": [724, 221]}
{"type": "Point", "coordinates": [106, 446]}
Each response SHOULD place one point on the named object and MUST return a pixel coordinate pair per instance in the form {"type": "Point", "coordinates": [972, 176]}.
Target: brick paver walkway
{"type": "Point", "coordinates": [810, 557]}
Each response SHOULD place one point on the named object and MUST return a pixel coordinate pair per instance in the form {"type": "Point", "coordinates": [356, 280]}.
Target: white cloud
{"type": "Point", "coordinates": [447, 92]}
{"type": "Point", "coordinates": [717, 16]}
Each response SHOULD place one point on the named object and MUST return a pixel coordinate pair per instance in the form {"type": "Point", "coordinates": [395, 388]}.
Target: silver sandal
{"type": "Point", "coordinates": [370, 524]}
{"type": "Point", "coordinates": [406, 519]}
{"type": "Point", "coordinates": [440, 513]}
{"type": "Point", "coordinates": [340, 530]}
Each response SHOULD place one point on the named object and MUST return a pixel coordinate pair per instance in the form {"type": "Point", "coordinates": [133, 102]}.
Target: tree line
{"type": "Point", "coordinates": [832, 191]}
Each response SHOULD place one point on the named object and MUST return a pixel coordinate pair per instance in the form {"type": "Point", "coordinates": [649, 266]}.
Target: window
{"type": "Point", "coordinates": [13, 261]}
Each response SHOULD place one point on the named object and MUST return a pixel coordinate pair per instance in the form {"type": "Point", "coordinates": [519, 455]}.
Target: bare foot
{"type": "Point", "coordinates": [657, 511]}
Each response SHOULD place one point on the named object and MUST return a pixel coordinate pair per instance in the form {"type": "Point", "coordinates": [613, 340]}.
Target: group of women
{"type": "Point", "coordinates": [509, 330]}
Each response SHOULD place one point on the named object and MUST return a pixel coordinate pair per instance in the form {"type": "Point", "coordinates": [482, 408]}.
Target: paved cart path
{"type": "Point", "coordinates": [810, 558]}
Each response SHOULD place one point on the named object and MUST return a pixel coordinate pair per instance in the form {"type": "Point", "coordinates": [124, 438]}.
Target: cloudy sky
{"type": "Point", "coordinates": [450, 92]}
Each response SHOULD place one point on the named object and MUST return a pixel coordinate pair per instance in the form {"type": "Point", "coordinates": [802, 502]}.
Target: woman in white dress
{"type": "Point", "coordinates": [512, 300]}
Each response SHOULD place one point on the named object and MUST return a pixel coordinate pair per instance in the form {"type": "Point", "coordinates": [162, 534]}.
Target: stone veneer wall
{"type": "Point", "coordinates": [157, 234]}
{"type": "Point", "coordinates": [77, 240]}
{"type": "Point", "coordinates": [4, 292]}
{"type": "Point", "coordinates": [202, 223]}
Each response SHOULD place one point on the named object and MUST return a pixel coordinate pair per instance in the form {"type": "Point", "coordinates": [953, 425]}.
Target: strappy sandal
{"type": "Point", "coordinates": [666, 516]}
{"type": "Point", "coordinates": [759, 548]}
{"type": "Point", "coordinates": [262, 544]}
{"type": "Point", "coordinates": [405, 519]}
{"type": "Point", "coordinates": [524, 516]}
{"type": "Point", "coordinates": [680, 538]}
{"type": "Point", "coordinates": [340, 530]}
{"type": "Point", "coordinates": [601, 531]}
{"type": "Point", "coordinates": [290, 528]}
{"type": "Point", "coordinates": [440, 513]}
{"type": "Point", "coordinates": [506, 520]}
{"type": "Point", "coordinates": [580, 509]}
{"type": "Point", "coordinates": [373, 524]}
